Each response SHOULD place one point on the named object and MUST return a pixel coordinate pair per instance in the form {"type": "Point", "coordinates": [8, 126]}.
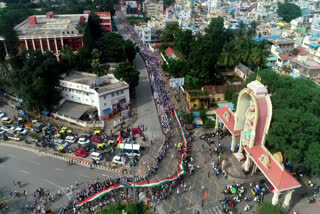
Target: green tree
{"type": "Point", "coordinates": [138, 208]}
{"type": "Point", "coordinates": [167, 3]}
{"type": "Point", "coordinates": [36, 82]}
{"type": "Point", "coordinates": [228, 57]}
{"type": "Point", "coordinates": [260, 54]}
{"type": "Point", "coordinates": [83, 58]}
{"type": "Point", "coordinates": [98, 68]}
{"type": "Point", "coordinates": [229, 94]}
{"type": "Point", "coordinates": [266, 208]}
{"type": "Point", "coordinates": [252, 32]}
{"type": "Point", "coordinates": [127, 73]}
{"type": "Point", "coordinates": [183, 41]}
{"type": "Point", "coordinates": [312, 158]}
{"type": "Point", "coordinates": [92, 31]}
{"type": "Point", "coordinates": [242, 30]}
{"type": "Point", "coordinates": [112, 48]}
{"type": "Point", "coordinates": [288, 11]}
{"type": "Point", "coordinates": [130, 50]}
{"type": "Point", "coordinates": [170, 31]}
{"type": "Point", "coordinates": [177, 68]}
{"type": "Point", "coordinates": [68, 57]}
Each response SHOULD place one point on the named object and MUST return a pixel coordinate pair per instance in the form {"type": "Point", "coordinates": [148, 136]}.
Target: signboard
{"type": "Point", "coordinates": [176, 82]}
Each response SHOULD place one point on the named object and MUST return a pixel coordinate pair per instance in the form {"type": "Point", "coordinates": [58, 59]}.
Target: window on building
{"type": "Point", "coordinates": [195, 105]}
{"type": "Point", "coordinates": [69, 90]}
{"type": "Point", "coordinates": [112, 94]}
{"type": "Point", "coordinates": [105, 96]}
{"type": "Point", "coordinates": [117, 93]}
{"type": "Point", "coordinates": [71, 96]}
{"type": "Point", "coordinates": [105, 104]}
{"type": "Point", "coordinates": [121, 92]}
{"type": "Point", "coordinates": [218, 99]}
{"type": "Point", "coordinates": [87, 94]}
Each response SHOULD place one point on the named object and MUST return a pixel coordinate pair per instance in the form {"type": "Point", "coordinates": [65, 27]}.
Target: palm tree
{"type": "Point", "coordinates": [242, 29]}
{"type": "Point", "coordinates": [252, 32]}
{"type": "Point", "coordinates": [245, 49]}
{"type": "Point", "coordinates": [228, 57]}
{"type": "Point", "coordinates": [260, 54]}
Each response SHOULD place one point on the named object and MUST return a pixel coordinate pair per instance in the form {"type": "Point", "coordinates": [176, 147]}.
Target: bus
{"type": "Point", "coordinates": [126, 149]}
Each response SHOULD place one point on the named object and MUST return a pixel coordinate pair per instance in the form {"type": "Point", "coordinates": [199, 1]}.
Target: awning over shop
{"type": "Point", "coordinates": [45, 112]}
{"type": "Point", "coordinates": [107, 111]}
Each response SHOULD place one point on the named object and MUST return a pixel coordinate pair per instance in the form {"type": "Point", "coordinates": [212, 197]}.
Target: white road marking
{"type": "Point", "coordinates": [60, 169]}
{"type": "Point", "coordinates": [35, 162]}
{"type": "Point", "coordinates": [12, 156]}
{"type": "Point", "coordinates": [62, 188]}
{"type": "Point", "coordinates": [25, 172]}
{"type": "Point", "coordinates": [84, 176]}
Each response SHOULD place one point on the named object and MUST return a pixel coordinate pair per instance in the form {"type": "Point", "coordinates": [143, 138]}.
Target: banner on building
{"type": "Point", "coordinates": [176, 82]}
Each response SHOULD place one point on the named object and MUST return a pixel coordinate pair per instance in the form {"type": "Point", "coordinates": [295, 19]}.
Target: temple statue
{"type": "Point", "coordinates": [248, 130]}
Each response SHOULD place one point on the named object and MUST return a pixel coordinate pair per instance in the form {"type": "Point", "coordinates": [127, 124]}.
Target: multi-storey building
{"type": "Point", "coordinates": [106, 93]}
{"type": "Point", "coordinates": [52, 32]}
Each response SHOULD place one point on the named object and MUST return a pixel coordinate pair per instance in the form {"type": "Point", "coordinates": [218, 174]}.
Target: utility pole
{"type": "Point", "coordinates": [132, 166]}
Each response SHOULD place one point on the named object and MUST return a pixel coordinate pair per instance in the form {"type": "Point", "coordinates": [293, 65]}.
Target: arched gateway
{"type": "Point", "coordinates": [249, 126]}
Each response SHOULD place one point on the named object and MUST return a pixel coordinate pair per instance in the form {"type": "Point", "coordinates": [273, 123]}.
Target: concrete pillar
{"type": "Point", "coordinates": [287, 199]}
{"type": "Point", "coordinates": [62, 42]}
{"type": "Point", "coordinates": [217, 123]}
{"type": "Point", "coordinates": [233, 143]}
{"type": "Point", "coordinates": [254, 169]}
{"type": "Point", "coordinates": [33, 44]}
{"type": "Point", "coordinates": [275, 197]}
{"type": "Point", "coordinates": [247, 163]}
{"type": "Point", "coordinates": [41, 45]}
{"type": "Point", "coordinates": [48, 43]}
{"type": "Point", "coordinates": [25, 41]}
{"type": "Point", "coordinates": [5, 49]}
{"type": "Point", "coordinates": [56, 45]}
{"type": "Point", "coordinates": [241, 142]}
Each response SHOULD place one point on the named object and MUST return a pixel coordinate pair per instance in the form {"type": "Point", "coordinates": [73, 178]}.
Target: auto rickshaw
{"type": "Point", "coordinates": [61, 149]}
{"type": "Point", "coordinates": [57, 136]}
{"type": "Point", "coordinates": [101, 146]}
{"type": "Point", "coordinates": [97, 132]}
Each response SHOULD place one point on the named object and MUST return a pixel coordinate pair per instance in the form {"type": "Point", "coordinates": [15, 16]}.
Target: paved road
{"type": "Point", "coordinates": [35, 170]}
{"type": "Point", "coordinates": [144, 103]}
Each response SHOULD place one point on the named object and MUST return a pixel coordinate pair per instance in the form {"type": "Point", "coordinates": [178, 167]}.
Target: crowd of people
{"type": "Point", "coordinates": [165, 107]}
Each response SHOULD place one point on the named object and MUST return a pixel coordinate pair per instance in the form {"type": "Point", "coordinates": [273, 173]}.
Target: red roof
{"type": "Point", "coordinates": [278, 177]}
{"type": "Point", "coordinates": [302, 51]}
{"type": "Point", "coordinates": [284, 56]}
{"type": "Point", "coordinates": [228, 123]}
{"type": "Point", "coordinates": [169, 51]}
{"type": "Point", "coordinates": [157, 44]}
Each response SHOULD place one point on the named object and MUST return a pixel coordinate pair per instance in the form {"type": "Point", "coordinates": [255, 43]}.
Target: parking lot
{"type": "Point", "coordinates": [96, 147]}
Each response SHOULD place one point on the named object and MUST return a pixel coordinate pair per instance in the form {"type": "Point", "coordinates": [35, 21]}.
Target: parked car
{"type": "Point", "coordinates": [118, 160]}
{"type": "Point", "coordinates": [84, 142]}
{"type": "Point", "coordinates": [6, 120]}
{"type": "Point", "coordinates": [60, 142]}
{"type": "Point", "coordinates": [97, 138]}
{"type": "Point", "coordinates": [97, 156]}
{"type": "Point", "coordinates": [2, 131]}
{"type": "Point", "coordinates": [81, 153]}
{"type": "Point", "coordinates": [2, 114]}
{"type": "Point", "coordinates": [7, 127]}
{"type": "Point", "coordinates": [70, 139]}
{"type": "Point", "coordinates": [21, 131]}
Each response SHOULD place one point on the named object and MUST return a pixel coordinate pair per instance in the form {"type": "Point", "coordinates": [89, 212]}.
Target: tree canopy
{"type": "Point", "coordinates": [127, 73]}
{"type": "Point", "coordinates": [138, 208]}
{"type": "Point", "coordinates": [36, 80]}
{"type": "Point", "coordinates": [295, 126]}
{"type": "Point", "coordinates": [170, 31]}
{"type": "Point", "coordinates": [288, 11]}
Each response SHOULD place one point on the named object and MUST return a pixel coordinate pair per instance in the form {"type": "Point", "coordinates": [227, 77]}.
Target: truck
{"type": "Point", "coordinates": [37, 127]}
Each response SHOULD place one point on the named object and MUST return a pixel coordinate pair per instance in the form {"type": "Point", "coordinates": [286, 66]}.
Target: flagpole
{"type": "Point", "coordinates": [132, 166]}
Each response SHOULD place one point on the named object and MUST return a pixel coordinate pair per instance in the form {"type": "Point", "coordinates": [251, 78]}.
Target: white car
{"type": "Point", "coordinates": [96, 156]}
{"type": "Point", "coordinates": [70, 139]}
{"type": "Point", "coordinates": [84, 142]}
{"type": "Point", "coordinates": [21, 131]}
{"type": "Point", "coordinates": [118, 160]}
{"type": "Point", "coordinates": [7, 128]}
{"type": "Point", "coordinates": [2, 114]}
{"type": "Point", "coordinates": [2, 131]}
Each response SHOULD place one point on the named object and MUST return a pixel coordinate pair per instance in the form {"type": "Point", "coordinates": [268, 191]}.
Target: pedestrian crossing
{"type": "Point", "coordinates": [214, 210]}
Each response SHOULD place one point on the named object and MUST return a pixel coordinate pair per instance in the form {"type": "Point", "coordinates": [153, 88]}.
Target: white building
{"type": "Point", "coordinates": [106, 93]}
{"type": "Point", "coordinates": [149, 34]}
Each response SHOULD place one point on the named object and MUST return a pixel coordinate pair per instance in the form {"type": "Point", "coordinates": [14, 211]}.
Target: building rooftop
{"type": "Point", "coordinates": [107, 82]}
{"type": "Point", "coordinates": [45, 26]}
